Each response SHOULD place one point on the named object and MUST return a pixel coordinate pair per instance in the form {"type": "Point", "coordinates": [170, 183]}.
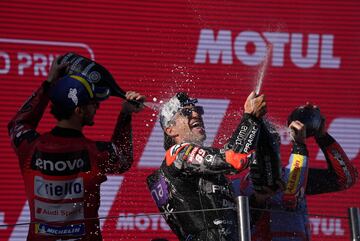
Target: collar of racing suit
{"type": "Point", "coordinates": [66, 132]}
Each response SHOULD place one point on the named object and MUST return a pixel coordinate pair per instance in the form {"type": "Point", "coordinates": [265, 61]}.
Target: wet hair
{"type": "Point", "coordinates": [61, 113]}
{"type": "Point", "coordinates": [171, 107]}
{"type": "Point", "coordinates": [168, 141]}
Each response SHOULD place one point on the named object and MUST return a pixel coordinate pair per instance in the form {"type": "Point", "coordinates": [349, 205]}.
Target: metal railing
{"type": "Point", "coordinates": [243, 214]}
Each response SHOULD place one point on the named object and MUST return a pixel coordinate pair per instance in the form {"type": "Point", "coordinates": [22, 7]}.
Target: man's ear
{"type": "Point", "coordinates": [171, 131]}
{"type": "Point", "coordinates": [78, 110]}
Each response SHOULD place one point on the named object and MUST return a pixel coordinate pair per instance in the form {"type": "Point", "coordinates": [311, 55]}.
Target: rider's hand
{"type": "Point", "coordinates": [297, 132]}
{"type": "Point", "coordinates": [56, 70]}
{"type": "Point", "coordinates": [255, 105]}
{"type": "Point", "coordinates": [128, 107]}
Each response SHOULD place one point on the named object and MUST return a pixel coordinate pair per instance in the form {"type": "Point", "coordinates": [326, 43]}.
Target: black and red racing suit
{"type": "Point", "coordinates": [288, 215]}
{"type": "Point", "coordinates": [191, 188]}
{"type": "Point", "coordinates": [63, 170]}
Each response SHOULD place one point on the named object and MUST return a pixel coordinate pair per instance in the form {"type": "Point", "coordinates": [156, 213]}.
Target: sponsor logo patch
{"type": "Point", "coordinates": [191, 157]}
{"type": "Point", "coordinates": [199, 158]}
{"type": "Point", "coordinates": [187, 152]}
{"type": "Point", "coordinates": [73, 95]}
{"type": "Point", "coordinates": [159, 191]}
{"type": "Point", "coordinates": [337, 155]}
{"type": "Point", "coordinates": [58, 190]}
{"type": "Point", "coordinates": [69, 230]}
{"type": "Point", "coordinates": [297, 163]}
{"type": "Point", "coordinates": [62, 212]}
{"type": "Point", "coordinates": [59, 164]}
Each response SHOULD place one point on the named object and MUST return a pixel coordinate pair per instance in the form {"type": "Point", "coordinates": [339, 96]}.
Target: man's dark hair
{"type": "Point", "coordinates": [168, 141]}
{"type": "Point", "coordinates": [61, 113]}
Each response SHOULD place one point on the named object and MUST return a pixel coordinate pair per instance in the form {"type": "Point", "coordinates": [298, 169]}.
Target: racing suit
{"type": "Point", "coordinates": [63, 170]}
{"type": "Point", "coordinates": [191, 180]}
{"type": "Point", "coordinates": [288, 218]}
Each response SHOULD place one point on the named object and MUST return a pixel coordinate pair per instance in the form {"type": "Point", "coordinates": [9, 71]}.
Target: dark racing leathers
{"type": "Point", "coordinates": [191, 180]}
{"type": "Point", "coordinates": [63, 170]}
{"type": "Point", "coordinates": [278, 225]}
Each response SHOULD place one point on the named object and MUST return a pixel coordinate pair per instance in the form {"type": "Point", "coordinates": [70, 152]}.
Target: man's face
{"type": "Point", "coordinates": [188, 125]}
{"type": "Point", "coordinates": [89, 111]}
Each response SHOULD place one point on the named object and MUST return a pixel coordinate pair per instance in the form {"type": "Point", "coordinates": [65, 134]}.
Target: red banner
{"type": "Point", "coordinates": [214, 51]}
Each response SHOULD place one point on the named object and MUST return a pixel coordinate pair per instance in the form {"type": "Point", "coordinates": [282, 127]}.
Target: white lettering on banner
{"type": "Point", "coordinates": [215, 110]}
{"type": "Point", "coordinates": [6, 67]}
{"type": "Point", "coordinates": [214, 48]}
{"type": "Point", "coordinates": [19, 232]}
{"type": "Point", "coordinates": [2, 220]}
{"type": "Point", "coordinates": [48, 43]}
{"type": "Point", "coordinates": [41, 61]}
{"type": "Point", "coordinates": [38, 63]}
{"type": "Point", "coordinates": [108, 193]}
{"type": "Point", "coordinates": [141, 221]}
{"type": "Point", "coordinates": [219, 47]}
{"type": "Point", "coordinates": [327, 59]}
{"type": "Point", "coordinates": [326, 226]}
{"type": "Point", "coordinates": [346, 132]}
{"type": "Point", "coordinates": [278, 41]}
{"type": "Point", "coordinates": [240, 44]}
{"type": "Point", "coordinates": [312, 51]}
{"type": "Point", "coordinates": [25, 62]}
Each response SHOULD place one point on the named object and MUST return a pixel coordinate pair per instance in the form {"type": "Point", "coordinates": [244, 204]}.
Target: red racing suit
{"type": "Point", "coordinates": [63, 170]}
{"type": "Point", "coordinates": [288, 219]}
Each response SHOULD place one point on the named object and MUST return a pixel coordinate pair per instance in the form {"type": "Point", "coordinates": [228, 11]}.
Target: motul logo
{"type": "Point", "coordinates": [221, 48]}
{"type": "Point", "coordinates": [326, 226]}
{"type": "Point", "coordinates": [141, 221]}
